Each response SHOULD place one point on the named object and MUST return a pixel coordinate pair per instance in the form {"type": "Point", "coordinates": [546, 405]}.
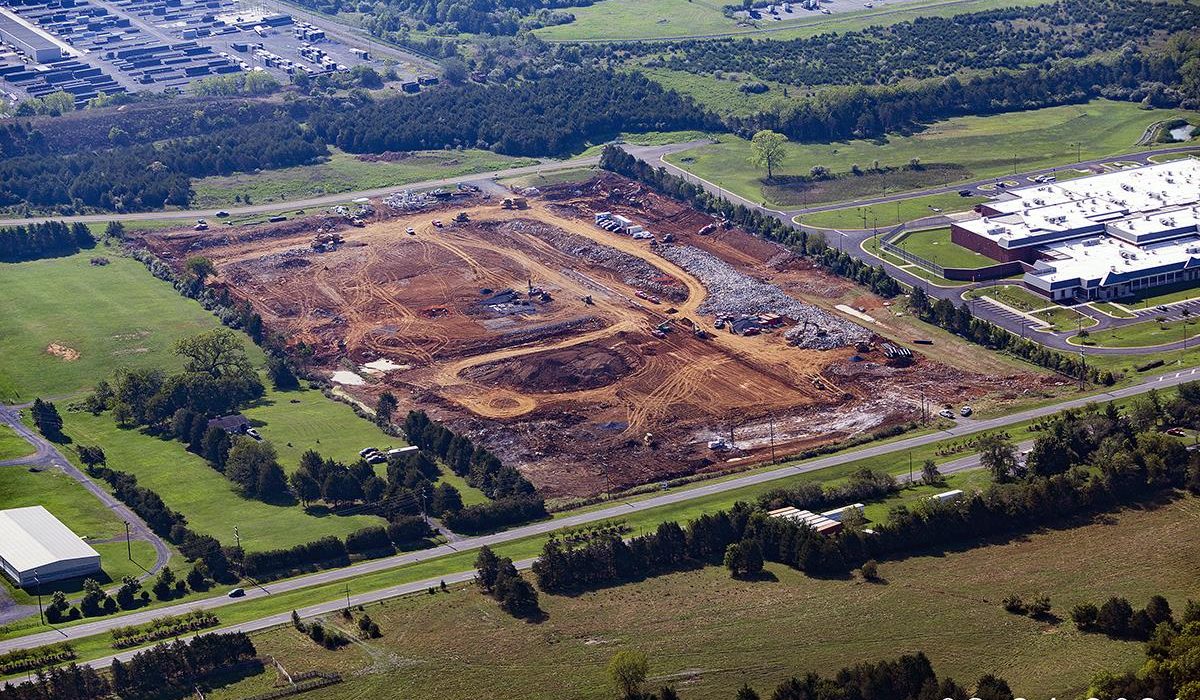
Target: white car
{"type": "Point", "coordinates": [966, 411]}
{"type": "Point", "coordinates": [366, 451]}
{"type": "Point", "coordinates": [253, 432]}
{"type": "Point", "coordinates": [946, 413]}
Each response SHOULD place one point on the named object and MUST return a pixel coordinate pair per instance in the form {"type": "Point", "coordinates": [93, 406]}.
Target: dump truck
{"type": "Point", "coordinates": [461, 217]}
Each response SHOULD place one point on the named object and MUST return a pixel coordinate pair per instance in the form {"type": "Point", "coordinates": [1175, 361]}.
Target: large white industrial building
{"type": "Point", "coordinates": [35, 547]}
{"type": "Point", "coordinates": [1098, 237]}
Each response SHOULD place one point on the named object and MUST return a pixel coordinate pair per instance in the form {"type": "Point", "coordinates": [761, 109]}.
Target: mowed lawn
{"type": "Point", "coordinates": [935, 246]}
{"type": "Point", "coordinates": [345, 173]}
{"type": "Point", "coordinates": [890, 213]}
{"type": "Point", "coordinates": [1141, 334]}
{"type": "Point", "coordinates": [208, 500]}
{"type": "Point", "coordinates": [12, 445]}
{"type": "Point", "coordinates": [697, 625]}
{"type": "Point", "coordinates": [984, 146]}
{"type": "Point", "coordinates": [98, 318]}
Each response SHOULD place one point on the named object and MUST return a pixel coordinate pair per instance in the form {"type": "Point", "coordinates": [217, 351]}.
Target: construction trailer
{"type": "Point", "coordinates": [819, 523]}
{"type": "Point", "coordinates": [947, 496]}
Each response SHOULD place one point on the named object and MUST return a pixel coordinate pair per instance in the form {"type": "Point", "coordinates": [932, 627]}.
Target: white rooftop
{"type": "Point", "coordinates": [31, 538]}
{"type": "Point", "coordinates": [1044, 213]}
{"type": "Point", "coordinates": [1099, 257]}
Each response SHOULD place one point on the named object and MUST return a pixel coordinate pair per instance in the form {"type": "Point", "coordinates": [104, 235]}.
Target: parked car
{"type": "Point", "coordinates": [366, 451]}
{"type": "Point", "coordinates": [964, 193]}
{"type": "Point", "coordinates": [410, 231]}
{"type": "Point", "coordinates": [222, 214]}
{"type": "Point", "coordinates": [946, 413]}
{"type": "Point", "coordinates": [966, 411]}
{"type": "Point", "coordinates": [376, 458]}
{"type": "Point", "coordinates": [237, 593]}
{"type": "Point", "coordinates": [253, 432]}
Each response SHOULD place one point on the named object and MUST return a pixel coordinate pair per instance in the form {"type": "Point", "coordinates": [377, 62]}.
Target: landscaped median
{"type": "Point", "coordinates": [1144, 334]}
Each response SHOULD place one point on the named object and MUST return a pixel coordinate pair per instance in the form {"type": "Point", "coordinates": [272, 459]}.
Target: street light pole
{"type": "Point", "coordinates": [128, 545]}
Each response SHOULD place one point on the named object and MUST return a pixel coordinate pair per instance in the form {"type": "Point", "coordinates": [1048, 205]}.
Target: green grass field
{"type": "Point", "coordinates": [554, 177]}
{"type": "Point", "coordinates": [1012, 295]}
{"type": "Point", "coordinates": [871, 246]}
{"type": "Point", "coordinates": [984, 146]}
{"type": "Point", "coordinates": [1167, 294]}
{"type": "Point", "coordinates": [206, 498]}
{"type": "Point", "coordinates": [621, 20]}
{"type": "Point", "coordinates": [723, 96]}
{"type": "Point", "coordinates": [1064, 319]}
{"type": "Point", "coordinates": [1142, 334]}
{"type": "Point", "coordinates": [345, 173]}
{"type": "Point", "coordinates": [102, 318]}
{"type": "Point", "coordinates": [1168, 157]}
{"type": "Point", "coordinates": [935, 246]}
{"type": "Point", "coordinates": [12, 445]}
{"type": "Point", "coordinates": [892, 213]}
{"type": "Point", "coordinates": [1111, 309]}
{"type": "Point", "coordinates": [696, 625]}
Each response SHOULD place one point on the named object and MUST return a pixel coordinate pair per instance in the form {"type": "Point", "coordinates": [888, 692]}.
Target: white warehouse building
{"type": "Point", "coordinates": [35, 547]}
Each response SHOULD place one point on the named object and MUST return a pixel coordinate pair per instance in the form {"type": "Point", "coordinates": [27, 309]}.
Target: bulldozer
{"type": "Point", "coordinates": [461, 217]}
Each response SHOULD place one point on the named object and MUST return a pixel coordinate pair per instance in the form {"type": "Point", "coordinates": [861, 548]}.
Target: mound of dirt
{"type": "Point", "coordinates": [62, 351]}
{"type": "Point", "coordinates": [568, 369]}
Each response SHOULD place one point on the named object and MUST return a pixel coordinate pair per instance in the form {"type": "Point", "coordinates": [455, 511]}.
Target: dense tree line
{"type": "Point", "coordinates": [166, 670]}
{"type": "Point", "coordinates": [862, 112]}
{"type": "Point", "coordinates": [1170, 669]}
{"type": "Point", "coordinates": [550, 116]}
{"type": "Point", "coordinates": [43, 240]}
{"type": "Point", "coordinates": [925, 47]}
{"type": "Point", "coordinates": [514, 499]}
{"type": "Point", "coordinates": [495, 17]}
{"type": "Point", "coordinates": [144, 122]}
{"type": "Point", "coordinates": [476, 464]}
{"type": "Point", "coordinates": [494, 515]}
{"type": "Point", "coordinates": [178, 666]}
{"type": "Point", "coordinates": [498, 577]}
{"type": "Point", "coordinates": [1108, 464]}
{"type": "Point", "coordinates": [148, 176]}
{"type": "Point", "coordinates": [1116, 617]}
{"type": "Point", "coordinates": [910, 677]}
{"type": "Point", "coordinates": [763, 225]}
{"type": "Point", "coordinates": [960, 321]}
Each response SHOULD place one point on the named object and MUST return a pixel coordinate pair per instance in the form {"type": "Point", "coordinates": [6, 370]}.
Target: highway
{"type": "Point", "coordinates": [617, 510]}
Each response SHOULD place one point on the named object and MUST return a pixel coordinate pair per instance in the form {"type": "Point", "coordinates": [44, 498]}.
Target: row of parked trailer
{"type": "Point", "coordinates": [622, 224]}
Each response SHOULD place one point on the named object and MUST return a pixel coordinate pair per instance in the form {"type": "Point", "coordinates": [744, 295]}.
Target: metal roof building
{"type": "Point", "coordinates": [36, 547]}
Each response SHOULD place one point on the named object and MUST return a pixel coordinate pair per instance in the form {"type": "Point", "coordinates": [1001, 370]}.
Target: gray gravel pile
{"type": "Point", "coordinates": [732, 293]}
{"type": "Point", "coordinates": [631, 269]}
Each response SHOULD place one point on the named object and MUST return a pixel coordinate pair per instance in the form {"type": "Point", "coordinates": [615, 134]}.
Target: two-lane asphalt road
{"type": "Point", "coordinates": [618, 510]}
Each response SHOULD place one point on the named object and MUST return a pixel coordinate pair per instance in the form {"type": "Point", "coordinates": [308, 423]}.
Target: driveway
{"type": "Point", "coordinates": [47, 456]}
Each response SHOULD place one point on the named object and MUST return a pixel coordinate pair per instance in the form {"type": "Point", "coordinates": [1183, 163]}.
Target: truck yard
{"type": "Point", "coordinates": [553, 340]}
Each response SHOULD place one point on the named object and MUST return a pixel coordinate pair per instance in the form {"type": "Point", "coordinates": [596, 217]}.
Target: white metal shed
{"type": "Point", "coordinates": [36, 547]}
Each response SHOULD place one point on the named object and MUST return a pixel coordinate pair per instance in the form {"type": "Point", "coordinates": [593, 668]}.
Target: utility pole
{"type": "Point", "coordinates": [347, 596]}
{"type": "Point", "coordinates": [772, 416]}
{"type": "Point", "coordinates": [910, 475]}
{"type": "Point", "coordinates": [38, 582]}
{"type": "Point", "coordinates": [237, 537]}
{"type": "Point", "coordinates": [128, 546]}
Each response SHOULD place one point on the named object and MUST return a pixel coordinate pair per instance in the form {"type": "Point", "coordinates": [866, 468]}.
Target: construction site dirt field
{"type": "Point", "coordinates": [588, 359]}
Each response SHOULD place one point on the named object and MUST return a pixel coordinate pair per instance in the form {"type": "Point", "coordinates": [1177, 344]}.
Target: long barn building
{"type": "Point", "coordinates": [35, 547]}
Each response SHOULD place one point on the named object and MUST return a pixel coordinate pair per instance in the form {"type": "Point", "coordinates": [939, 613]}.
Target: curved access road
{"type": "Point", "coordinates": [617, 510]}
{"type": "Point", "coordinates": [47, 456]}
